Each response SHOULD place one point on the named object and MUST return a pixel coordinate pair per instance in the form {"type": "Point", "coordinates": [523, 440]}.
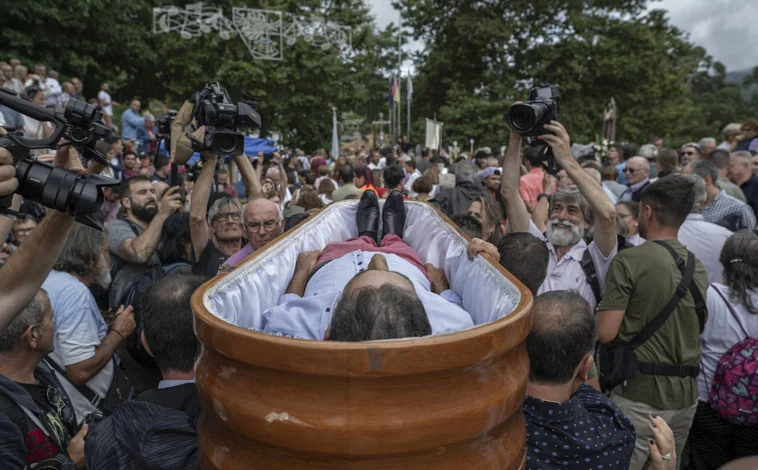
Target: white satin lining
{"type": "Point", "coordinates": [243, 295]}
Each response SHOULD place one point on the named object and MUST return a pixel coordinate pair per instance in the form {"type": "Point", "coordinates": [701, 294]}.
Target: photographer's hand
{"type": "Point", "coordinates": [560, 143]}
{"type": "Point", "coordinates": [8, 180]}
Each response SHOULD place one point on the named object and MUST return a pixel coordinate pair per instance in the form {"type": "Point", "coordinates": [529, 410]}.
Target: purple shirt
{"type": "Point", "coordinates": [236, 258]}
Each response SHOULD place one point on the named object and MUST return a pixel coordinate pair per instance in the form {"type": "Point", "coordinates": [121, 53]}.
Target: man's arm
{"type": "Point", "coordinates": [249, 177]}
{"type": "Point", "coordinates": [123, 325]}
{"type": "Point", "coordinates": [199, 230]}
{"type": "Point", "coordinates": [618, 292]}
{"type": "Point", "coordinates": [609, 324]}
{"type": "Point", "coordinates": [602, 208]}
{"type": "Point", "coordinates": [518, 216]}
{"type": "Point", "coordinates": [306, 264]}
{"type": "Point", "coordinates": [138, 250]}
{"type": "Point", "coordinates": [26, 270]}
{"type": "Point", "coordinates": [541, 214]}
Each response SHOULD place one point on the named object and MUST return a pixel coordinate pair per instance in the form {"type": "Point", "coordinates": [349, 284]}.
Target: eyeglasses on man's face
{"type": "Point", "coordinates": [631, 171]}
{"type": "Point", "coordinates": [236, 216]}
{"type": "Point", "coordinates": [268, 225]}
{"type": "Point", "coordinates": [688, 152]}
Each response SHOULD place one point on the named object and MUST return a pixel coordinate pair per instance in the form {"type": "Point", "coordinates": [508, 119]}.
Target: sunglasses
{"type": "Point", "coordinates": [631, 171]}
{"type": "Point", "coordinates": [687, 153]}
{"type": "Point", "coordinates": [55, 400]}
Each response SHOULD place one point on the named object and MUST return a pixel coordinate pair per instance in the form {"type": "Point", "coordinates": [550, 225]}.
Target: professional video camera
{"type": "Point", "coordinates": [529, 119]}
{"type": "Point", "coordinates": [163, 123]}
{"type": "Point", "coordinates": [212, 108]}
{"type": "Point", "coordinates": [79, 195]}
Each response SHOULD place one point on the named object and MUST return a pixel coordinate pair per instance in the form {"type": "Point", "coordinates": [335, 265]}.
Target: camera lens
{"type": "Point", "coordinates": [523, 117]}
{"type": "Point", "coordinates": [62, 190]}
{"type": "Point", "coordinates": [226, 143]}
{"type": "Point", "coordinates": [80, 113]}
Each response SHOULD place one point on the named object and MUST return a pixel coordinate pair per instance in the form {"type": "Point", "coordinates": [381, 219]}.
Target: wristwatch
{"type": "Point", "coordinates": [541, 195]}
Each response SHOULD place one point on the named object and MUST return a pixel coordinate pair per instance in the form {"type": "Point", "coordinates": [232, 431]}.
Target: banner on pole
{"type": "Point", "coordinates": [433, 134]}
{"type": "Point", "coordinates": [335, 136]}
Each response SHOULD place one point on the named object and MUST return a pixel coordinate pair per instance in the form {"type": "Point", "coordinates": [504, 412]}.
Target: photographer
{"type": "Point", "coordinates": [572, 213]}
{"type": "Point", "coordinates": [217, 233]}
{"type": "Point", "coordinates": [24, 273]}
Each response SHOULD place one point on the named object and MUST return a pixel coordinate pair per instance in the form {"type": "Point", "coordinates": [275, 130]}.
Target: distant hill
{"type": "Point", "coordinates": [737, 76]}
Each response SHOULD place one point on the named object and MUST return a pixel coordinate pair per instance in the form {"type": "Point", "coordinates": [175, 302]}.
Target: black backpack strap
{"type": "Point", "coordinates": [86, 392]}
{"type": "Point", "coordinates": [588, 266]}
{"type": "Point", "coordinates": [688, 271]}
{"type": "Point", "coordinates": [697, 297]}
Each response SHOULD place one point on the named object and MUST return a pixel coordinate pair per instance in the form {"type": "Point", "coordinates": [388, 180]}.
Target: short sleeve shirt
{"type": "Point", "coordinates": [588, 431]}
{"type": "Point", "coordinates": [641, 281]}
{"type": "Point", "coordinates": [105, 97]}
{"type": "Point", "coordinates": [119, 231]}
{"type": "Point", "coordinates": [567, 273]}
{"type": "Point", "coordinates": [79, 329]}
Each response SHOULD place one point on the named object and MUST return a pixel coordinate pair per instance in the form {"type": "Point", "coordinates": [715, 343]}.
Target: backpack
{"type": "Point", "coordinates": [133, 296]}
{"type": "Point", "coordinates": [734, 388]}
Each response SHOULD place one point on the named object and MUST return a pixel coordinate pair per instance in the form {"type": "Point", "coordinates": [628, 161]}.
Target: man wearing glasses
{"type": "Point", "coordinates": [263, 222]}
{"type": "Point", "coordinates": [689, 153]}
{"type": "Point", "coordinates": [216, 233]}
{"type": "Point", "coordinates": [637, 173]}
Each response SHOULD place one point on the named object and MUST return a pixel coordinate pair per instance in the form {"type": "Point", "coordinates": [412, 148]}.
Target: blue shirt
{"type": "Point", "coordinates": [588, 431]}
{"type": "Point", "coordinates": [130, 123]}
{"type": "Point", "coordinates": [309, 316]}
{"type": "Point", "coordinates": [13, 118]}
{"type": "Point", "coordinates": [622, 176]}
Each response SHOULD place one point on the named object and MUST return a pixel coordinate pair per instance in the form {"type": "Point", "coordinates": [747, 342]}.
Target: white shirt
{"type": "Point", "coordinates": [309, 316]}
{"type": "Point", "coordinates": [635, 240]}
{"type": "Point", "coordinates": [610, 195]}
{"type": "Point", "coordinates": [53, 92]}
{"type": "Point", "coordinates": [567, 274]}
{"type": "Point", "coordinates": [409, 184]}
{"type": "Point", "coordinates": [105, 99]}
{"type": "Point", "coordinates": [705, 240]}
{"type": "Point", "coordinates": [627, 196]}
{"type": "Point", "coordinates": [722, 331]}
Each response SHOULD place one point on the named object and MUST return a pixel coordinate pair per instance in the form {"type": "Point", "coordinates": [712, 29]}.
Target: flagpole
{"type": "Point", "coordinates": [399, 73]}
{"type": "Point", "coordinates": [410, 98]}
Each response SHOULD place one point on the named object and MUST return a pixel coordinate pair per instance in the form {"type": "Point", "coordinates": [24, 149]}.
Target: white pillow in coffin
{"type": "Point", "coordinates": [242, 296]}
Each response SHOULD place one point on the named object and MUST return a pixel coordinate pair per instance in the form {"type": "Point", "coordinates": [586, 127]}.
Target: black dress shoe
{"type": "Point", "coordinates": [367, 218]}
{"type": "Point", "coordinates": [393, 217]}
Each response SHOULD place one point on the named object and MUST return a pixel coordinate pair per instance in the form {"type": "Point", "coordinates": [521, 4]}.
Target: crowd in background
{"type": "Point", "coordinates": [106, 347]}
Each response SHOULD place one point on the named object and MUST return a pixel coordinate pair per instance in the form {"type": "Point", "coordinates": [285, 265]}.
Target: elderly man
{"type": "Point", "coordinates": [131, 121]}
{"type": "Point", "coordinates": [707, 145]}
{"type": "Point", "coordinates": [29, 389]}
{"type": "Point", "coordinates": [11, 82]}
{"type": "Point", "coordinates": [741, 174]}
{"type": "Point", "coordinates": [573, 263]}
{"type": "Point", "coordinates": [457, 200]}
{"type": "Point", "coordinates": [637, 173]}
{"type": "Point", "coordinates": [703, 238]}
{"type": "Point", "coordinates": [263, 222]}
{"type": "Point", "coordinates": [689, 152]}
{"type": "Point", "coordinates": [367, 291]}
{"type": "Point", "coordinates": [720, 208]}
{"type": "Point", "coordinates": [720, 158]}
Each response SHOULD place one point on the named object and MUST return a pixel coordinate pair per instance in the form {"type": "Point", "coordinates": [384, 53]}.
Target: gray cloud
{"type": "Point", "coordinates": [725, 28]}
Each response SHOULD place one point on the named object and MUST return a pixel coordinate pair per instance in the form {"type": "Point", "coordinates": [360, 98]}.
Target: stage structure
{"type": "Point", "coordinates": [265, 32]}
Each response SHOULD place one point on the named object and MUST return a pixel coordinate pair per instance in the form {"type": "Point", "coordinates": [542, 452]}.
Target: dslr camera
{"type": "Point", "coordinates": [65, 191]}
{"type": "Point", "coordinates": [529, 119]}
{"type": "Point", "coordinates": [212, 108]}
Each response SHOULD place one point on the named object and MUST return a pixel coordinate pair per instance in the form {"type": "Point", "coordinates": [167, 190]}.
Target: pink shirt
{"type": "Point", "coordinates": [530, 186]}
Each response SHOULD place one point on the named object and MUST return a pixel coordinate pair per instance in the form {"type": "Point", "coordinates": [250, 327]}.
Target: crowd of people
{"type": "Point", "coordinates": [643, 265]}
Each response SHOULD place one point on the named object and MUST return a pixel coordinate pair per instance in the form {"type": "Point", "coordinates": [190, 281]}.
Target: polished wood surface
{"type": "Point", "coordinates": [443, 402]}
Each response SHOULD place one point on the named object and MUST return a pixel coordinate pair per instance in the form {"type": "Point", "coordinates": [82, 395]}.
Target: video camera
{"type": "Point", "coordinates": [529, 119]}
{"type": "Point", "coordinates": [79, 195]}
{"type": "Point", "coordinates": [163, 122]}
{"type": "Point", "coordinates": [212, 108]}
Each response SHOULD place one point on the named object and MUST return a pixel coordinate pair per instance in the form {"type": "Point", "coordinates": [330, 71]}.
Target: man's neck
{"type": "Point", "coordinates": [739, 181]}
{"type": "Point", "coordinates": [18, 365]}
{"type": "Point", "coordinates": [711, 192]}
{"type": "Point", "coordinates": [724, 173]}
{"type": "Point", "coordinates": [161, 172]}
{"type": "Point", "coordinates": [86, 280]}
{"type": "Point", "coordinates": [171, 374]}
{"type": "Point", "coordinates": [555, 393]}
{"type": "Point", "coordinates": [561, 251]}
{"type": "Point", "coordinates": [229, 247]}
{"type": "Point", "coordinates": [137, 221]}
{"type": "Point", "coordinates": [654, 234]}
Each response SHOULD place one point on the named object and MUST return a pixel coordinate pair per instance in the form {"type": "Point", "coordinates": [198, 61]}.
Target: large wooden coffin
{"type": "Point", "coordinates": [441, 402]}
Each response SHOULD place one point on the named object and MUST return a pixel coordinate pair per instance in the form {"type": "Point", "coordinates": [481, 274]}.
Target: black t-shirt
{"type": "Point", "coordinates": [210, 260]}
{"type": "Point", "coordinates": [58, 413]}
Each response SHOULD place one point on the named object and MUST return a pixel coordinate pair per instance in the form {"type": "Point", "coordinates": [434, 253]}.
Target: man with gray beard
{"type": "Point", "coordinates": [84, 345]}
{"type": "Point", "coordinates": [573, 264]}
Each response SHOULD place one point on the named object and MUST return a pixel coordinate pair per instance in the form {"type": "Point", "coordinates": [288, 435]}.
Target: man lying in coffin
{"type": "Point", "coordinates": [367, 288]}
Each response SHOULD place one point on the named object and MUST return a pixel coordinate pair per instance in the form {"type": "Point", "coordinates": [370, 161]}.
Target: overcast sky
{"type": "Point", "coordinates": [725, 28]}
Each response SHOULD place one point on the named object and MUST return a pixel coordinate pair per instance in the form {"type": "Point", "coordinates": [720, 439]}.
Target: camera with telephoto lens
{"type": "Point", "coordinates": [54, 187]}
{"type": "Point", "coordinates": [529, 119]}
{"type": "Point", "coordinates": [212, 108]}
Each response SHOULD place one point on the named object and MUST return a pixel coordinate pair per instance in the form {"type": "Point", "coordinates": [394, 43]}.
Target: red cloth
{"type": "Point", "coordinates": [391, 244]}
{"type": "Point", "coordinates": [530, 186]}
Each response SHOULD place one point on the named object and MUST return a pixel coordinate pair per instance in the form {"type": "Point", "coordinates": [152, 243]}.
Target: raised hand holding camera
{"type": "Point", "coordinates": [8, 180]}
{"type": "Point", "coordinates": [529, 119]}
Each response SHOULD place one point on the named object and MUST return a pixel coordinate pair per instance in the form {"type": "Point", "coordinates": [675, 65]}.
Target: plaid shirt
{"type": "Point", "coordinates": [724, 206]}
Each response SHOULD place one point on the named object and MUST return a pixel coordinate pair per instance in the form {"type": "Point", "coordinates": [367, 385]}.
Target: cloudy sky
{"type": "Point", "coordinates": [725, 28]}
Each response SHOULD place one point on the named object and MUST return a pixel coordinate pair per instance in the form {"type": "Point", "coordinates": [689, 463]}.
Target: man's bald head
{"type": "Point", "coordinates": [273, 174]}
{"type": "Point", "coordinates": [263, 222]}
{"type": "Point", "coordinates": [637, 170]}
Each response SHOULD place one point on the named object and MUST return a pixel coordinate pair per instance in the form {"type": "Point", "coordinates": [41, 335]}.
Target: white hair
{"type": "Point", "coordinates": [648, 151]}
{"type": "Point", "coordinates": [731, 129]}
{"type": "Point", "coordinates": [447, 181]}
{"type": "Point", "coordinates": [707, 142]}
{"type": "Point", "coordinates": [744, 154]}
{"type": "Point", "coordinates": [594, 174]}
{"type": "Point", "coordinates": [698, 188]}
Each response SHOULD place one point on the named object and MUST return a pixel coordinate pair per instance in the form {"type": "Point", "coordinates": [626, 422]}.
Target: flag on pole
{"type": "Point", "coordinates": [395, 91]}
{"type": "Point", "coordinates": [335, 137]}
{"type": "Point", "coordinates": [392, 83]}
{"type": "Point", "coordinates": [410, 88]}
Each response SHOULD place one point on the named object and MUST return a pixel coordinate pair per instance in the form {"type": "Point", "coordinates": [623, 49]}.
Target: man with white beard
{"type": "Point", "coordinates": [573, 265]}
{"type": "Point", "coordinates": [84, 346]}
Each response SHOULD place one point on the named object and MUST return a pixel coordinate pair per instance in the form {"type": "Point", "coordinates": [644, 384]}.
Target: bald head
{"type": "Point", "coordinates": [273, 174]}
{"type": "Point", "coordinates": [747, 463]}
{"type": "Point", "coordinates": [637, 170]}
{"type": "Point", "coordinates": [263, 222]}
